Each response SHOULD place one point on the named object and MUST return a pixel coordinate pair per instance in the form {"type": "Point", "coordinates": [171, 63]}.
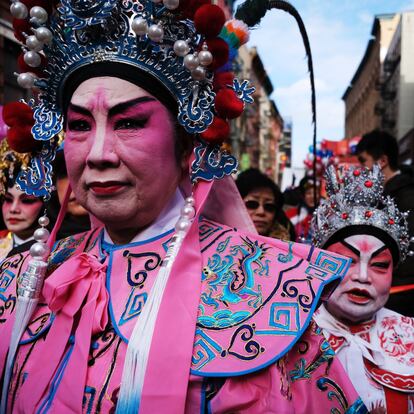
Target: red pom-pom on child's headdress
{"type": "Point", "coordinates": [227, 104]}
{"type": "Point", "coordinates": [209, 20]}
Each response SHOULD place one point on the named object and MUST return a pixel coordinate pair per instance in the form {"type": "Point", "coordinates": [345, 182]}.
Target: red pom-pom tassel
{"type": "Point", "coordinates": [209, 20]}
{"type": "Point", "coordinates": [189, 7]}
{"type": "Point", "coordinates": [217, 132]}
{"type": "Point", "coordinates": [21, 26]}
{"type": "Point", "coordinates": [20, 139]}
{"type": "Point", "coordinates": [220, 51]}
{"type": "Point", "coordinates": [227, 104]}
{"type": "Point", "coordinates": [18, 113]}
{"type": "Point", "coordinates": [222, 80]}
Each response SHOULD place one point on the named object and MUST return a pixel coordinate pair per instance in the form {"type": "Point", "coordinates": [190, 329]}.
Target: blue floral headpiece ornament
{"type": "Point", "coordinates": [179, 50]}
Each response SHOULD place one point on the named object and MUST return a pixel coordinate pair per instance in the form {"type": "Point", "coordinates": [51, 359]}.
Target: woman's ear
{"type": "Point", "coordinates": [383, 161]}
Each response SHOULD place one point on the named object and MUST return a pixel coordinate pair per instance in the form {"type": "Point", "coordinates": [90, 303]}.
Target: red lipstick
{"type": "Point", "coordinates": [107, 187]}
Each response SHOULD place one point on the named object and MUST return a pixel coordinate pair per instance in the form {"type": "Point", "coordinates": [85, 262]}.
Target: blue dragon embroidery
{"type": "Point", "coordinates": [232, 280]}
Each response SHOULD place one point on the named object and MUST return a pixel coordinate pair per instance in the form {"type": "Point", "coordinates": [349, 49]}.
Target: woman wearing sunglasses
{"type": "Point", "coordinates": [264, 202]}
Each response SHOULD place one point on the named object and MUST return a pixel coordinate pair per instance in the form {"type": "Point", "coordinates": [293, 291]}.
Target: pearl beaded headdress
{"type": "Point", "coordinates": [356, 202]}
{"type": "Point", "coordinates": [178, 44]}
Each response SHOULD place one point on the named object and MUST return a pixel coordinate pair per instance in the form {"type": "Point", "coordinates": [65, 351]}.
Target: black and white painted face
{"type": "Point", "coordinates": [365, 288]}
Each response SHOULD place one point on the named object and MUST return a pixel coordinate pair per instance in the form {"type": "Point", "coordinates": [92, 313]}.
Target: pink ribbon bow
{"type": "Point", "coordinates": [77, 295]}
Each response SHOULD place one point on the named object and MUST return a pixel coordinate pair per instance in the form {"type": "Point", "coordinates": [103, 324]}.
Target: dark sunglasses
{"type": "Point", "coordinates": [254, 205]}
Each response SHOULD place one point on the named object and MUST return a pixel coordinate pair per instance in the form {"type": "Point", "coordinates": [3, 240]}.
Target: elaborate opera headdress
{"type": "Point", "coordinates": [180, 51]}
{"type": "Point", "coordinates": [356, 205]}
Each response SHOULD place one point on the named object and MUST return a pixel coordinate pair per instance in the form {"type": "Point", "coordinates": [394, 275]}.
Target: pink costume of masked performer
{"type": "Point", "coordinates": [233, 332]}
{"type": "Point", "coordinates": [374, 344]}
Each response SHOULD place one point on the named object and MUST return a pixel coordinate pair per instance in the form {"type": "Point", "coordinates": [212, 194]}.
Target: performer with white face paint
{"type": "Point", "coordinates": [375, 345]}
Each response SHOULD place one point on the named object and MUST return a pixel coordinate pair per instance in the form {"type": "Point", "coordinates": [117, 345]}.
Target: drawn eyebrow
{"type": "Point", "coordinates": [121, 107]}
{"type": "Point", "coordinates": [352, 248]}
{"type": "Point", "coordinates": [78, 109]}
{"type": "Point", "coordinates": [380, 250]}
{"type": "Point", "coordinates": [115, 109]}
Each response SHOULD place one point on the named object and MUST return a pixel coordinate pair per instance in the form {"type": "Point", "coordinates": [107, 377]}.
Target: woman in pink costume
{"type": "Point", "coordinates": [172, 303]}
{"type": "Point", "coordinates": [374, 344]}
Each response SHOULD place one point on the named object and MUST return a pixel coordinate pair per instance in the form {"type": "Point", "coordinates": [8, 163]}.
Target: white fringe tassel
{"type": "Point", "coordinates": [139, 345]}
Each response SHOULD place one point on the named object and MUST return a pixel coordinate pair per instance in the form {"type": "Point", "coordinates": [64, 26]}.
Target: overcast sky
{"type": "Point", "coordinates": [339, 31]}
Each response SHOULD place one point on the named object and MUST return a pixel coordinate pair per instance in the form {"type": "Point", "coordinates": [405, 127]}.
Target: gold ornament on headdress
{"type": "Point", "coordinates": [10, 162]}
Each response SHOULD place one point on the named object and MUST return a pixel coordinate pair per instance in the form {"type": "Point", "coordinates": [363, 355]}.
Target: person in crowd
{"type": "Point", "coordinates": [379, 147]}
{"type": "Point", "coordinates": [374, 344]}
{"type": "Point", "coordinates": [76, 218]}
{"type": "Point", "coordinates": [19, 211]}
{"type": "Point", "coordinates": [301, 215]}
{"type": "Point", "coordinates": [264, 202]}
{"type": "Point", "coordinates": [174, 304]}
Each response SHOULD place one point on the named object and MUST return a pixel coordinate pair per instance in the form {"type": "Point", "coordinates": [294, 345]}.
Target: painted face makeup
{"type": "Point", "coordinates": [119, 151]}
{"type": "Point", "coordinates": [365, 288]}
{"type": "Point", "coordinates": [20, 212]}
{"type": "Point", "coordinates": [259, 205]}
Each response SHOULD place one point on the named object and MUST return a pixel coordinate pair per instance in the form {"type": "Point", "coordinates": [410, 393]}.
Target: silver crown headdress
{"type": "Point", "coordinates": [356, 204]}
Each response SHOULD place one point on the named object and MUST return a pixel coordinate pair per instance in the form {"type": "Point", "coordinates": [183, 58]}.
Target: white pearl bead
{"type": "Point", "coordinates": [199, 73]}
{"type": "Point", "coordinates": [155, 33]}
{"type": "Point", "coordinates": [26, 80]}
{"type": "Point", "coordinates": [39, 250]}
{"type": "Point", "coordinates": [43, 34]}
{"type": "Point", "coordinates": [190, 200]}
{"type": "Point", "coordinates": [182, 224]}
{"type": "Point", "coordinates": [39, 13]}
{"type": "Point", "coordinates": [205, 57]}
{"type": "Point", "coordinates": [181, 48]}
{"type": "Point", "coordinates": [43, 221]}
{"type": "Point", "coordinates": [188, 211]}
{"type": "Point", "coordinates": [18, 10]}
{"type": "Point", "coordinates": [171, 4]}
{"type": "Point", "coordinates": [41, 235]}
{"type": "Point", "coordinates": [33, 43]}
{"type": "Point", "coordinates": [140, 26]}
{"type": "Point", "coordinates": [191, 62]}
{"type": "Point", "coordinates": [32, 59]}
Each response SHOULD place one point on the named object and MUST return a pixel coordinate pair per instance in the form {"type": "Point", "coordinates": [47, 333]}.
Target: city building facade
{"type": "Point", "coordinates": [256, 134]}
{"type": "Point", "coordinates": [397, 87]}
{"type": "Point", "coordinates": [363, 94]}
{"type": "Point", "coordinates": [381, 93]}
